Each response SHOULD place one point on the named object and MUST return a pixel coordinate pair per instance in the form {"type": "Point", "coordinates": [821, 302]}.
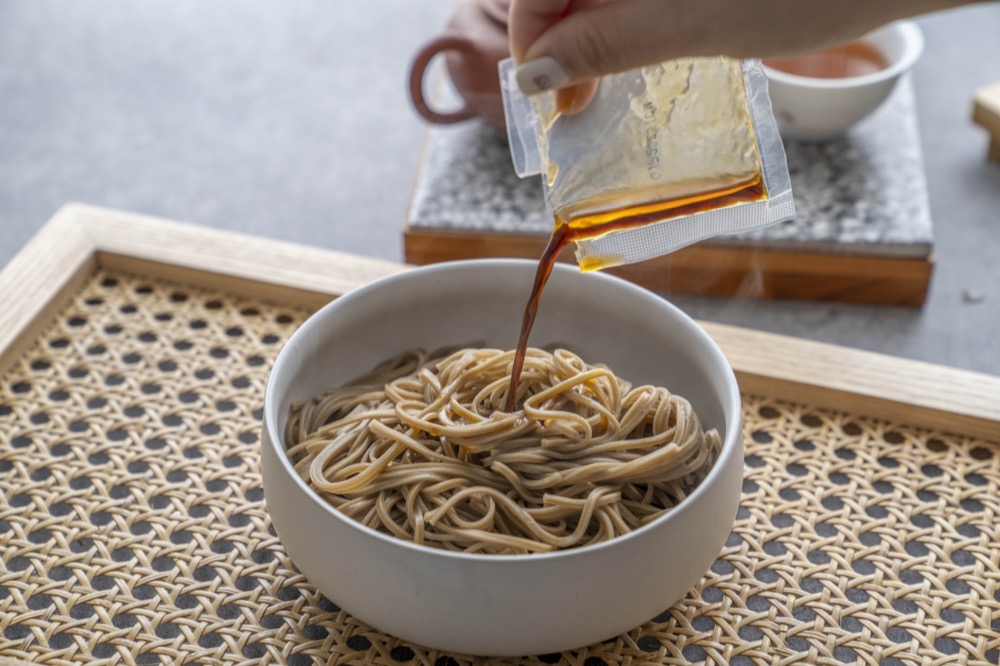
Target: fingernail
{"type": "Point", "coordinates": [540, 75]}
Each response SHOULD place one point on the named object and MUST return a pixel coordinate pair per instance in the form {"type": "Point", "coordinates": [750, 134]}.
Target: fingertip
{"type": "Point", "coordinates": [574, 99]}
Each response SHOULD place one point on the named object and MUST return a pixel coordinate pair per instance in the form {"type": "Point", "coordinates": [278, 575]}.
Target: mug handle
{"type": "Point", "coordinates": [419, 67]}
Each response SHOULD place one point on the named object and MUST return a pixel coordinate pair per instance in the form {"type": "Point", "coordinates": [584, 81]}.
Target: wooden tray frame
{"type": "Point", "coordinates": [80, 239]}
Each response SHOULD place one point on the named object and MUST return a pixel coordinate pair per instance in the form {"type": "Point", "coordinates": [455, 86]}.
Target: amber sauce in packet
{"type": "Point", "coordinates": [589, 227]}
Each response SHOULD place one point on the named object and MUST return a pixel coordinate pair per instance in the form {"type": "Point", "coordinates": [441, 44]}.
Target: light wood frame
{"type": "Point", "coordinates": [80, 239]}
{"type": "Point", "coordinates": [986, 112]}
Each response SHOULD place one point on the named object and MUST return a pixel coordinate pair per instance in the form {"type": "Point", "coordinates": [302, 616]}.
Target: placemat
{"type": "Point", "coordinates": [133, 526]}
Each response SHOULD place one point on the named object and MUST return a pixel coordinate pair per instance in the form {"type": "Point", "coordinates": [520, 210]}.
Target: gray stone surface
{"type": "Point", "coordinates": [291, 120]}
{"type": "Point", "coordinates": [865, 193]}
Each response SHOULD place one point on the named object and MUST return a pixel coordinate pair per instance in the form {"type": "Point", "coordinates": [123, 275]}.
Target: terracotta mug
{"type": "Point", "coordinates": [474, 42]}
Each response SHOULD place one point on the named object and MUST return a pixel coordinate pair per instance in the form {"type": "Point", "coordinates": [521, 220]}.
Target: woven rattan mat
{"type": "Point", "coordinates": [133, 527]}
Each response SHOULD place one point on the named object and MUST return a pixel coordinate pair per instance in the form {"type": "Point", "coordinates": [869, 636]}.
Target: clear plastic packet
{"type": "Point", "coordinates": [662, 157]}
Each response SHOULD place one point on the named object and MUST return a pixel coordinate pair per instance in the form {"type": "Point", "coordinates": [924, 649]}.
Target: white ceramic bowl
{"type": "Point", "coordinates": [495, 604]}
{"type": "Point", "coordinates": [815, 109]}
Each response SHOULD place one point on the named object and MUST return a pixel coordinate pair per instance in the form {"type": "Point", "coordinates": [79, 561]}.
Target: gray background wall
{"type": "Point", "coordinates": [291, 120]}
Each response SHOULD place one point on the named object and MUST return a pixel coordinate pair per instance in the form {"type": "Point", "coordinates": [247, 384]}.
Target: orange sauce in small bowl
{"type": "Point", "coordinates": [840, 62]}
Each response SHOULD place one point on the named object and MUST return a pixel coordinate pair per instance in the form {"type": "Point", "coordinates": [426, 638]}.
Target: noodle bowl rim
{"type": "Point", "coordinates": [730, 397]}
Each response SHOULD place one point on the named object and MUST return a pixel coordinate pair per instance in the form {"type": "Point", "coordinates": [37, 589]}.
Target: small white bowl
{"type": "Point", "coordinates": [816, 109]}
{"type": "Point", "coordinates": [496, 604]}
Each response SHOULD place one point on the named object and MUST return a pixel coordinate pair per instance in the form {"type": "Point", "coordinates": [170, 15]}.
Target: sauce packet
{"type": "Point", "coordinates": [663, 156]}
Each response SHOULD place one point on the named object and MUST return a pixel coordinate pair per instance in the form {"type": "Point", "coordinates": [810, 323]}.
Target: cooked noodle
{"type": "Point", "coordinates": [420, 449]}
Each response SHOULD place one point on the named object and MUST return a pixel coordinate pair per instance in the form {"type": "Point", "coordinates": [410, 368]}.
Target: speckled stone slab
{"type": "Point", "coordinates": [862, 194]}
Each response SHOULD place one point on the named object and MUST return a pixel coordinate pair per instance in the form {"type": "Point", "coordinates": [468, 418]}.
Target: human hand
{"type": "Point", "coordinates": [567, 44]}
